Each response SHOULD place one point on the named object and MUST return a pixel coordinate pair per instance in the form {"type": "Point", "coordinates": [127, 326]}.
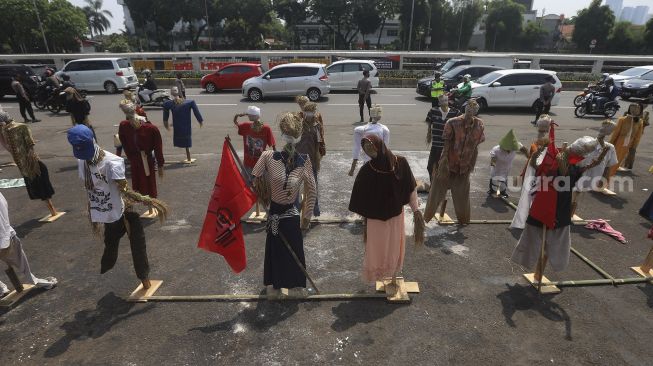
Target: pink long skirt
{"type": "Point", "coordinates": [384, 249]}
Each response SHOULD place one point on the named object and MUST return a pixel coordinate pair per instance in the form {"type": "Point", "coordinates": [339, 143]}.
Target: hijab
{"type": "Point", "coordinates": [383, 185]}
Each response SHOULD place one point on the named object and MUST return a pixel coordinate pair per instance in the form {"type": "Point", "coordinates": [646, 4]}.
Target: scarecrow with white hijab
{"type": "Point", "coordinates": [181, 120]}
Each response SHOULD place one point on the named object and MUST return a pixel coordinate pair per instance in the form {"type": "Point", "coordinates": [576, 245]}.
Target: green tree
{"type": "Point", "coordinates": [648, 36]}
{"type": "Point", "coordinates": [65, 26]}
{"type": "Point", "coordinates": [116, 43]}
{"type": "Point", "coordinates": [622, 39]}
{"type": "Point", "coordinates": [338, 17]}
{"type": "Point", "coordinates": [155, 19]}
{"type": "Point", "coordinates": [245, 22]}
{"type": "Point", "coordinates": [97, 18]}
{"type": "Point", "coordinates": [503, 25]}
{"type": "Point", "coordinates": [462, 20]}
{"type": "Point", "coordinates": [367, 17]}
{"type": "Point", "coordinates": [593, 22]}
{"type": "Point", "coordinates": [23, 35]}
{"type": "Point", "coordinates": [531, 36]}
{"type": "Point", "coordinates": [388, 9]}
{"type": "Point", "coordinates": [294, 13]}
{"type": "Point", "coordinates": [440, 14]}
{"type": "Point", "coordinates": [420, 20]}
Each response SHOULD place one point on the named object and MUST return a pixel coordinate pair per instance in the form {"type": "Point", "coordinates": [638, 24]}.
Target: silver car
{"type": "Point", "coordinates": [308, 79]}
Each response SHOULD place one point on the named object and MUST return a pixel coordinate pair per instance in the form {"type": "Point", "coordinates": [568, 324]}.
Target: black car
{"type": "Point", "coordinates": [638, 88]}
{"type": "Point", "coordinates": [7, 73]}
{"type": "Point", "coordinates": [454, 77]}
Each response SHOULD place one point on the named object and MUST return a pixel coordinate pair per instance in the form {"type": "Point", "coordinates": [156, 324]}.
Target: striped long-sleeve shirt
{"type": "Point", "coordinates": [270, 163]}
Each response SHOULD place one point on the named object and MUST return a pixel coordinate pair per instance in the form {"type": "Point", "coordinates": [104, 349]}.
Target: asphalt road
{"type": "Point", "coordinates": [474, 305]}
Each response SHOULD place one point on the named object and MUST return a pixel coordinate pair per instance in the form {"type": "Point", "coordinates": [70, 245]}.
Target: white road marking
{"type": "Point", "coordinates": [382, 104]}
{"type": "Point", "coordinates": [219, 104]}
{"type": "Point", "coordinates": [564, 107]}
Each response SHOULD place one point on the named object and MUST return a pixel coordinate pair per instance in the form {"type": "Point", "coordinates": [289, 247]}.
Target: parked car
{"type": "Point", "coordinates": [230, 77]}
{"type": "Point", "coordinates": [633, 73]}
{"type": "Point", "coordinates": [97, 74]}
{"type": "Point", "coordinates": [513, 88]}
{"type": "Point", "coordinates": [7, 73]}
{"type": "Point", "coordinates": [454, 62]}
{"type": "Point", "coordinates": [641, 87]}
{"type": "Point", "coordinates": [289, 80]}
{"type": "Point", "coordinates": [345, 74]}
{"type": "Point", "coordinates": [453, 77]}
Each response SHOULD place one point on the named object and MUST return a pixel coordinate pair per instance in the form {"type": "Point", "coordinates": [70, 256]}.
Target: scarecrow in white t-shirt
{"type": "Point", "coordinates": [103, 174]}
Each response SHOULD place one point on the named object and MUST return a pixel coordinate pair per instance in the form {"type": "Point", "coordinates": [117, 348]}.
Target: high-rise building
{"type": "Point", "coordinates": [627, 14]}
{"type": "Point", "coordinates": [640, 15]}
{"type": "Point", "coordinates": [615, 6]}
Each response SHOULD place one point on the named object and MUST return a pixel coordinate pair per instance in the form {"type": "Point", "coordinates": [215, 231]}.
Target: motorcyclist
{"type": "Point", "coordinates": [51, 80]}
{"type": "Point", "coordinates": [148, 87]}
{"type": "Point", "coordinates": [66, 83]}
{"type": "Point", "coordinates": [463, 93]}
{"type": "Point", "coordinates": [607, 93]}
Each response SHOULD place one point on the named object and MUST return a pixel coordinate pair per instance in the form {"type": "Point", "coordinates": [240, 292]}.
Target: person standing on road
{"type": "Point", "coordinates": [23, 98]}
{"type": "Point", "coordinates": [179, 83]}
{"type": "Point", "coordinates": [437, 90]}
{"type": "Point", "coordinates": [436, 119]}
{"type": "Point", "coordinates": [547, 92]}
{"type": "Point", "coordinates": [78, 107]}
{"type": "Point", "coordinates": [364, 89]}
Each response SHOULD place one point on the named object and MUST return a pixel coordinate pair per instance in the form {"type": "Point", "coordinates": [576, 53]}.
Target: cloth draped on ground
{"type": "Point", "coordinates": [181, 120]}
{"type": "Point", "coordinates": [142, 145]}
{"type": "Point", "coordinates": [603, 226]}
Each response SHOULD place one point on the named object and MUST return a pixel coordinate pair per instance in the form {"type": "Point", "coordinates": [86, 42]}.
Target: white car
{"type": "Point", "coordinates": [345, 74]}
{"type": "Point", "coordinates": [97, 74]}
{"type": "Point", "coordinates": [632, 73]}
{"type": "Point", "coordinates": [513, 88]}
{"type": "Point", "coordinates": [288, 80]}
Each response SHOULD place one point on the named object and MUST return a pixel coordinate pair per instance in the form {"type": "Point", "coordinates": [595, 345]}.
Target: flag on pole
{"type": "Point", "coordinates": [231, 199]}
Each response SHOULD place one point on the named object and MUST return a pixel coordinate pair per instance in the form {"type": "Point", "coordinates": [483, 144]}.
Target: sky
{"type": "Point", "coordinates": [118, 20]}
{"type": "Point", "coordinates": [567, 7]}
{"type": "Point", "coordinates": [570, 7]}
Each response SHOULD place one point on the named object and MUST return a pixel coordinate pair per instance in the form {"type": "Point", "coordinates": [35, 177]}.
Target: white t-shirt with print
{"type": "Point", "coordinates": [106, 204]}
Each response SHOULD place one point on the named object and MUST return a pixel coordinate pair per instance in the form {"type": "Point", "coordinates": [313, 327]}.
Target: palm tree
{"type": "Point", "coordinates": [97, 17]}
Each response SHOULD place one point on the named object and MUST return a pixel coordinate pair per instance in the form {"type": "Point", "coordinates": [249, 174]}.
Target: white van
{"type": "Point", "coordinates": [345, 74]}
{"type": "Point", "coordinates": [292, 79]}
{"type": "Point", "coordinates": [513, 88]}
{"type": "Point", "coordinates": [97, 74]}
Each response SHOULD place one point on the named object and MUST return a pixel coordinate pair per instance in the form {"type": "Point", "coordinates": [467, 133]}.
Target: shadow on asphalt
{"type": "Point", "coordinates": [27, 227]}
{"type": "Point", "coordinates": [515, 232]}
{"type": "Point", "coordinates": [648, 291]}
{"type": "Point", "coordinates": [525, 298]}
{"type": "Point", "coordinates": [495, 204]}
{"type": "Point", "coordinates": [94, 323]}
{"type": "Point", "coordinates": [349, 314]}
{"type": "Point", "coordinates": [615, 202]}
{"type": "Point", "coordinates": [262, 318]}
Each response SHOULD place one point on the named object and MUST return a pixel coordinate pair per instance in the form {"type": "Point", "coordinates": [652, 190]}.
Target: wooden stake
{"type": "Point", "coordinates": [141, 293]}
{"type": "Point", "coordinates": [298, 262]}
{"type": "Point", "coordinates": [14, 279]}
{"type": "Point", "coordinates": [539, 272]}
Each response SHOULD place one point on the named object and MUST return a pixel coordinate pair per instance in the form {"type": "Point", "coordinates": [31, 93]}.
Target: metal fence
{"type": "Point", "coordinates": [211, 61]}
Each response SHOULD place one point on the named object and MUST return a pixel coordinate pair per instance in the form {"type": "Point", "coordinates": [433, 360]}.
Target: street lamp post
{"type": "Point", "coordinates": [38, 17]}
{"type": "Point", "coordinates": [410, 31]}
{"type": "Point", "coordinates": [462, 16]}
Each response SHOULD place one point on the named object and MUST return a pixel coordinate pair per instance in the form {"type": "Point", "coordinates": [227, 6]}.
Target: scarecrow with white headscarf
{"type": "Point", "coordinates": [257, 136]}
{"type": "Point", "coordinates": [461, 137]}
{"type": "Point", "coordinates": [181, 121]}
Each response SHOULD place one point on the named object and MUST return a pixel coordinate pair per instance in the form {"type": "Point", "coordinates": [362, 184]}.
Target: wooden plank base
{"type": "Point", "coordinates": [150, 215]}
{"type": "Point", "coordinates": [577, 218]}
{"type": "Point", "coordinates": [50, 218]}
{"type": "Point", "coordinates": [411, 287]}
{"type": "Point", "coordinates": [444, 220]}
{"type": "Point", "coordinates": [140, 294]}
{"type": "Point", "coordinates": [638, 270]}
{"type": "Point", "coordinates": [400, 294]}
{"type": "Point", "coordinates": [607, 192]}
{"type": "Point", "coordinates": [191, 161]}
{"type": "Point", "coordinates": [530, 277]}
{"type": "Point", "coordinates": [261, 216]}
{"type": "Point", "coordinates": [14, 296]}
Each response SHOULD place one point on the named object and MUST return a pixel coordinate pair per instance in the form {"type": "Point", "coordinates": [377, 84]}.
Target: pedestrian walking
{"type": "Point", "coordinates": [23, 99]}
{"type": "Point", "coordinates": [543, 104]}
{"type": "Point", "coordinates": [364, 90]}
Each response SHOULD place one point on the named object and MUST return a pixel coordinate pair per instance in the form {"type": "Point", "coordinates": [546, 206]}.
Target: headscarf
{"type": "Point", "coordinates": [383, 185]}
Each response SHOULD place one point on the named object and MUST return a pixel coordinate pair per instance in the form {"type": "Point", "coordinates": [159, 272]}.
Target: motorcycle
{"type": "Point", "coordinates": [591, 88]}
{"type": "Point", "coordinates": [157, 97]}
{"type": "Point", "coordinates": [49, 98]}
{"type": "Point", "coordinates": [457, 103]}
{"type": "Point", "coordinates": [590, 106]}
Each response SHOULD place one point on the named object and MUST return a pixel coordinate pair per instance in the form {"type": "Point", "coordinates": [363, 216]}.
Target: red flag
{"type": "Point", "coordinates": [231, 199]}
